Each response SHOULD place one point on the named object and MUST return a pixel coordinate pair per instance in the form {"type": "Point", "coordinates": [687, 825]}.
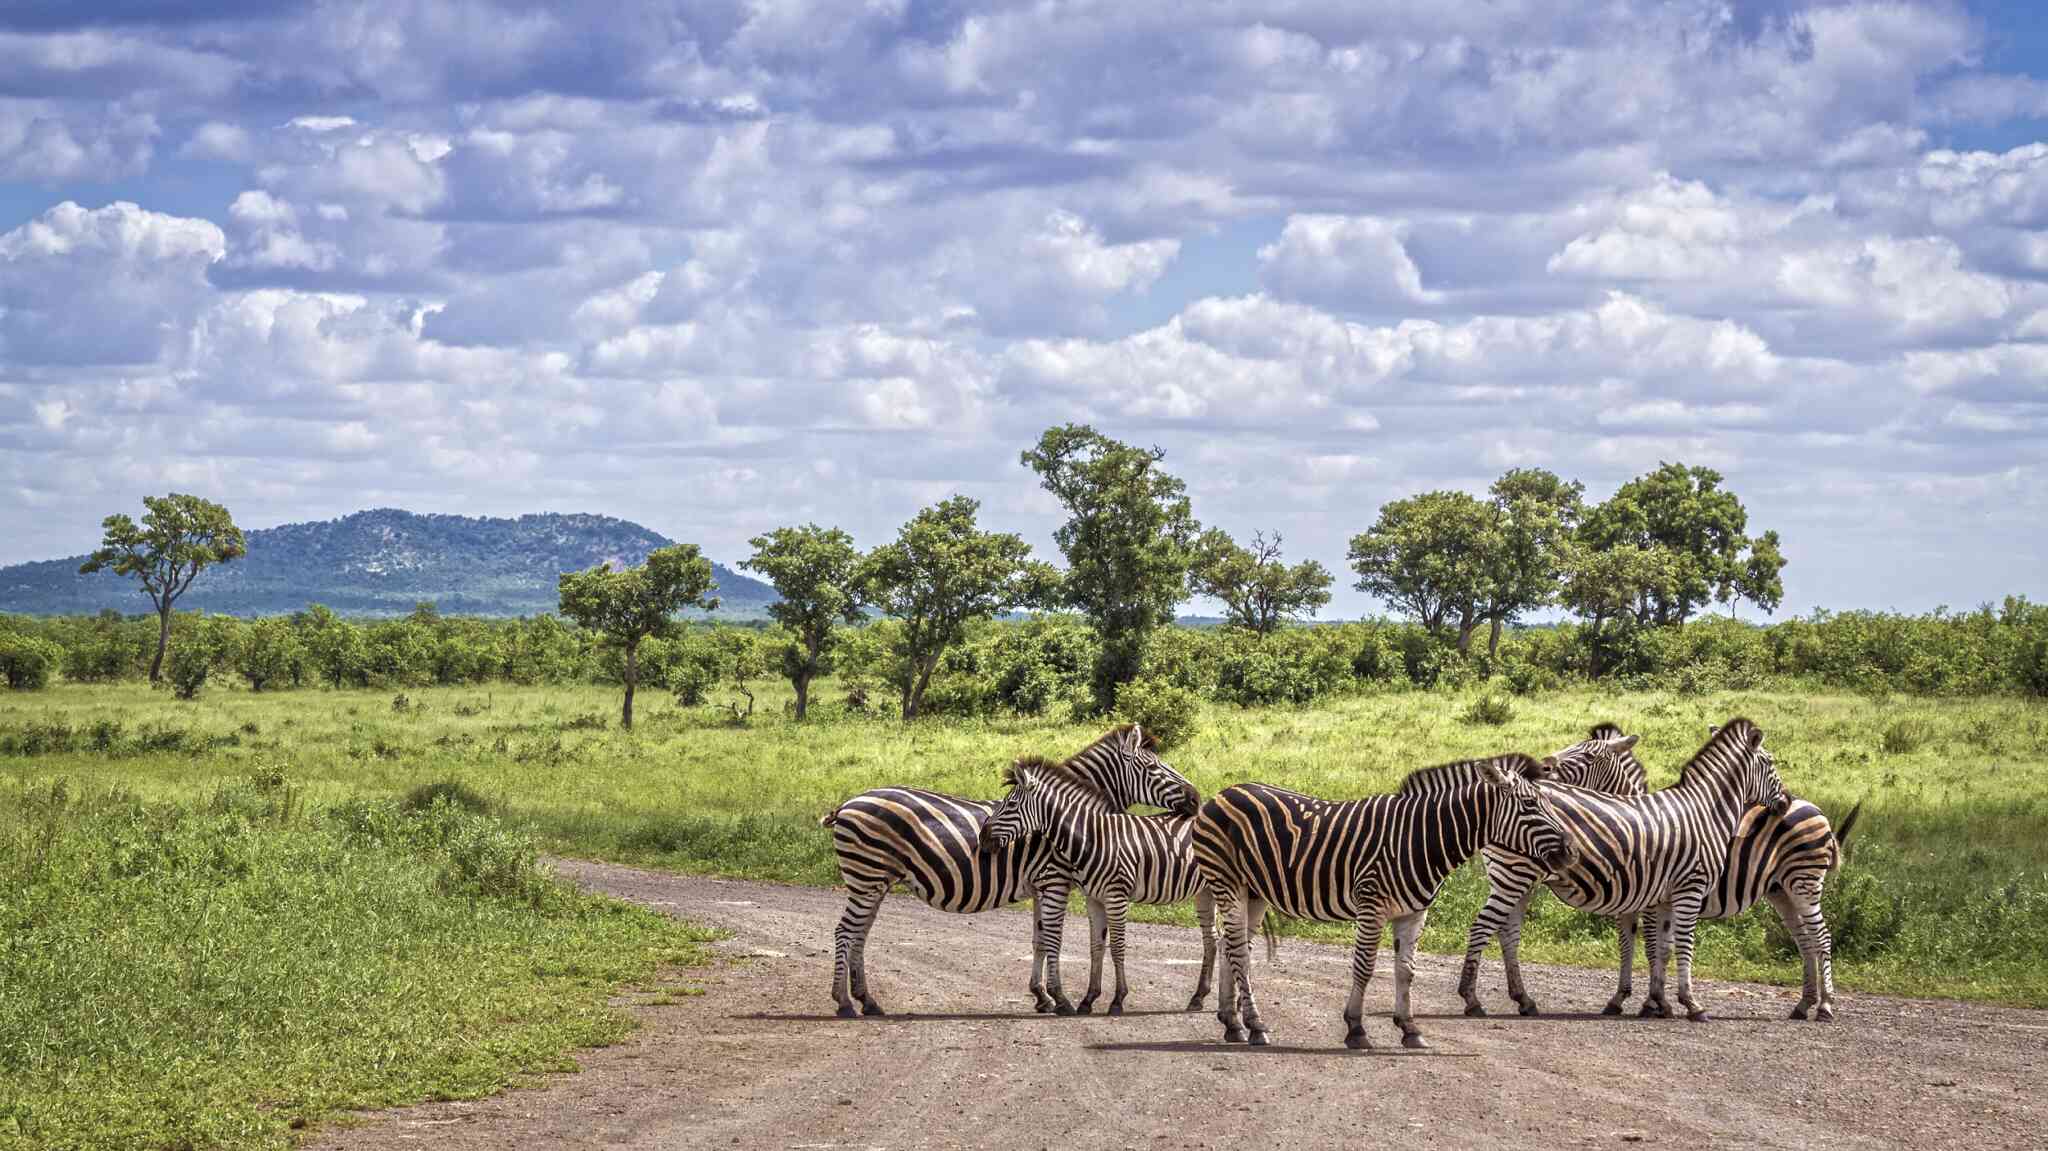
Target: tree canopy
{"type": "Point", "coordinates": [628, 606]}
{"type": "Point", "coordinates": [1430, 556]}
{"type": "Point", "coordinates": [1692, 533]}
{"type": "Point", "coordinates": [1258, 590]}
{"type": "Point", "coordinates": [816, 571]}
{"type": "Point", "coordinates": [179, 537]}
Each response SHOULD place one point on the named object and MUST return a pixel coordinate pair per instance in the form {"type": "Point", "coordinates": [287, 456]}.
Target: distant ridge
{"type": "Point", "coordinates": [380, 563]}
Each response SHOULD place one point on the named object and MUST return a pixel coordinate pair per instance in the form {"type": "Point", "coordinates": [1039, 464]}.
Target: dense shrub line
{"type": "Point", "coordinates": [1041, 665]}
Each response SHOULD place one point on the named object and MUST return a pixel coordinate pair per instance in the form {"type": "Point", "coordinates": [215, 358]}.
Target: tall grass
{"type": "Point", "coordinates": [1945, 891]}
{"type": "Point", "coordinates": [223, 968]}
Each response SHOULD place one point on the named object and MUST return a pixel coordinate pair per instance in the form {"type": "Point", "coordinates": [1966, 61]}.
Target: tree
{"type": "Point", "coordinates": [816, 572]}
{"type": "Point", "coordinates": [335, 646]}
{"type": "Point", "coordinates": [270, 654]}
{"type": "Point", "coordinates": [1129, 540]}
{"type": "Point", "coordinates": [941, 573]}
{"type": "Point", "coordinates": [179, 537]}
{"type": "Point", "coordinates": [625, 607]}
{"type": "Point", "coordinates": [1257, 590]}
{"type": "Point", "coordinates": [1429, 556]}
{"type": "Point", "coordinates": [1695, 529]}
{"type": "Point", "coordinates": [1534, 514]}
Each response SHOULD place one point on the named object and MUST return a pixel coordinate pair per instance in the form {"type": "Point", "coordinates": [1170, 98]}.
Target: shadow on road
{"type": "Point", "coordinates": [1197, 1047]}
{"type": "Point", "coordinates": [944, 1016]}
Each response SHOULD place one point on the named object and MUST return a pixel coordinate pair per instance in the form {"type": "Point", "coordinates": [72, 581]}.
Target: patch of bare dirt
{"type": "Point", "coordinates": [759, 1060]}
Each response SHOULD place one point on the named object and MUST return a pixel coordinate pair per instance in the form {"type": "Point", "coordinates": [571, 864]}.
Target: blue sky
{"type": "Point", "coordinates": [717, 267]}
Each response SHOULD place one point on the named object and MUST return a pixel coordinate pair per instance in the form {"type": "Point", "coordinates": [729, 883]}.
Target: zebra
{"type": "Point", "coordinates": [1784, 859]}
{"type": "Point", "coordinates": [1366, 861]}
{"type": "Point", "coordinates": [931, 841]}
{"type": "Point", "coordinates": [1117, 858]}
{"type": "Point", "coordinates": [1659, 851]}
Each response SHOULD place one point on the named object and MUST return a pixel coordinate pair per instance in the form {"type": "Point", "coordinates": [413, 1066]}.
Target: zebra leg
{"type": "Point", "coordinates": [1685, 918]}
{"type": "Point", "coordinates": [1119, 909]}
{"type": "Point", "coordinates": [1363, 951]}
{"type": "Point", "coordinates": [1503, 895]}
{"type": "Point", "coordinates": [1657, 948]}
{"type": "Point", "coordinates": [1235, 949]}
{"type": "Point", "coordinates": [1051, 925]}
{"type": "Point", "coordinates": [1511, 954]}
{"type": "Point", "coordinates": [1407, 930]}
{"type": "Point", "coordinates": [849, 951]}
{"type": "Point", "coordinates": [1098, 930]}
{"type": "Point", "coordinates": [1795, 925]}
{"type": "Point", "coordinates": [1254, 916]}
{"type": "Point", "coordinates": [1626, 925]}
{"type": "Point", "coordinates": [1205, 914]}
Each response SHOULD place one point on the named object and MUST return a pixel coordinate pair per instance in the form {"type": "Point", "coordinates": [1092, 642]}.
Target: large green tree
{"type": "Point", "coordinates": [816, 572]}
{"type": "Point", "coordinates": [1430, 556]}
{"type": "Point", "coordinates": [941, 573]}
{"type": "Point", "coordinates": [1258, 590]}
{"type": "Point", "coordinates": [1534, 514]}
{"type": "Point", "coordinates": [1693, 532]}
{"type": "Point", "coordinates": [1129, 540]}
{"type": "Point", "coordinates": [179, 537]}
{"type": "Point", "coordinates": [626, 607]}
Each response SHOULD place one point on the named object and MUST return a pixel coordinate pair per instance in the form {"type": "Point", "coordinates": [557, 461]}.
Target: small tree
{"type": "Point", "coordinates": [1696, 530]}
{"type": "Point", "coordinates": [941, 573]}
{"type": "Point", "coordinates": [816, 572]}
{"type": "Point", "coordinates": [1428, 556]}
{"type": "Point", "coordinates": [1534, 514]}
{"type": "Point", "coordinates": [270, 654]}
{"type": "Point", "coordinates": [179, 537]}
{"type": "Point", "coordinates": [625, 607]}
{"type": "Point", "coordinates": [1129, 540]}
{"type": "Point", "coordinates": [1258, 590]}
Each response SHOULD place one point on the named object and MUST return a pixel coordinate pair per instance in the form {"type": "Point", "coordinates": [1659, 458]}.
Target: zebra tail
{"type": "Point", "coordinates": [1842, 833]}
{"type": "Point", "coordinates": [830, 818]}
{"type": "Point", "coordinates": [1270, 928]}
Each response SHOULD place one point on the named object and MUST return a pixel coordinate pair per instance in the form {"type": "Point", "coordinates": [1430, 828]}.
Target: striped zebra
{"type": "Point", "coordinates": [1785, 859]}
{"type": "Point", "coordinates": [1117, 858]}
{"type": "Point", "coordinates": [1367, 861]}
{"type": "Point", "coordinates": [931, 841]}
{"type": "Point", "coordinates": [1662, 851]}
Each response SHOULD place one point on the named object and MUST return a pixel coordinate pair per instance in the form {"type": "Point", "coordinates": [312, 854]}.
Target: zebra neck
{"type": "Point", "coordinates": [1715, 797]}
{"type": "Point", "coordinates": [1443, 831]}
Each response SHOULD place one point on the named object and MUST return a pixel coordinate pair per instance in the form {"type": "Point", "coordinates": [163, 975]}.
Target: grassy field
{"type": "Point", "coordinates": [1945, 893]}
{"type": "Point", "coordinates": [224, 963]}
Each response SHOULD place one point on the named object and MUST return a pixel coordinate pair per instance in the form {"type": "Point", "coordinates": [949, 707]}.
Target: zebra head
{"type": "Point", "coordinates": [1521, 819]}
{"type": "Point", "coordinates": [1026, 810]}
{"type": "Point", "coordinates": [1601, 763]}
{"type": "Point", "coordinates": [1125, 766]}
{"type": "Point", "coordinates": [1739, 744]}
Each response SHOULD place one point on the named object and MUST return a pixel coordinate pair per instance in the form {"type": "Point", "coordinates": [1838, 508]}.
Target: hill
{"type": "Point", "coordinates": [380, 563]}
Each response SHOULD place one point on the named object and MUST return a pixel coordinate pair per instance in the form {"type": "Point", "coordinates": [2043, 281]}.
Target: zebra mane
{"type": "Point", "coordinates": [1606, 731]}
{"type": "Point", "coordinates": [1145, 738]}
{"type": "Point", "coordinates": [1015, 774]}
{"type": "Point", "coordinates": [1737, 740]}
{"type": "Point", "coordinates": [1465, 771]}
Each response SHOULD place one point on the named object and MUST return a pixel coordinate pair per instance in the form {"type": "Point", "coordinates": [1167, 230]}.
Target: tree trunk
{"type": "Point", "coordinates": [1593, 649]}
{"type": "Point", "coordinates": [632, 678]}
{"type": "Point", "coordinates": [803, 692]}
{"type": "Point", "coordinates": [163, 641]}
{"type": "Point", "coordinates": [1493, 639]}
{"type": "Point", "coordinates": [1466, 625]}
{"type": "Point", "coordinates": [914, 694]}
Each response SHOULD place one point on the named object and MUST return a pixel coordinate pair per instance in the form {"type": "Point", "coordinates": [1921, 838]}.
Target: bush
{"type": "Point", "coordinates": [27, 662]}
{"type": "Point", "coordinates": [1171, 715]}
{"type": "Point", "coordinates": [186, 670]}
{"type": "Point", "coordinates": [452, 792]}
{"type": "Point", "coordinates": [1489, 711]}
{"type": "Point", "coordinates": [1906, 736]}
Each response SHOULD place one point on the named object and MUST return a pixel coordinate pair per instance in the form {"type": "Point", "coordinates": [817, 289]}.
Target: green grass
{"type": "Point", "coordinates": [1945, 893]}
{"type": "Point", "coordinates": [226, 964]}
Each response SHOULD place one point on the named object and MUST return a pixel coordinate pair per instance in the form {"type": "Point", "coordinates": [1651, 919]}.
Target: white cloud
{"type": "Point", "coordinates": [1349, 261]}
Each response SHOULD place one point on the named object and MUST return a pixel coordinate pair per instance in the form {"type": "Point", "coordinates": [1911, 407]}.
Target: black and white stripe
{"type": "Point", "coordinates": [1660, 852]}
{"type": "Point", "coordinates": [931, 841]}
{"type": "Point", "coordinates": [1117, 858]}
{"type": "Point", "coordinates": [1366, 861]}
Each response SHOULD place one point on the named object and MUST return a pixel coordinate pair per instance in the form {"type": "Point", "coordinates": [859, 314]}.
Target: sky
{"type": "Point", "coordinates": [720, 267]}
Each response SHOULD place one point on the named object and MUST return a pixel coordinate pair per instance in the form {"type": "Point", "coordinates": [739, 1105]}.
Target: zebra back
{"type": "Point", "coordinates": [1149, 856]}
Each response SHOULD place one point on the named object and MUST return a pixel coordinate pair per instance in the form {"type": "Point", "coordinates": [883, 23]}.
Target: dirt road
{"type": "Point", "coordinates": [760, 1061]}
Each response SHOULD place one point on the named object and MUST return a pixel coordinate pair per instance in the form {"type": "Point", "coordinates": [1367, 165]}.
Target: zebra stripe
{"type": "Point", "coordinates": [1118, 859]}
{"type": "Point", "coordinates": [1663, 850]}
{"type": "Point", "coordinates": [1367, 861]}
{"type": "Point", "coordinates": [932, 842]}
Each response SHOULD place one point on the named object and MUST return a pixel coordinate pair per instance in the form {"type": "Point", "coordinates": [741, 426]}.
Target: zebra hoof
{"type": "Point", "coordinates": [1654, 1011]}
{"type": "Point", "coordinates": [1085, 1007]}
{"type": "Point", "coordinates": [1528, 1007]}
{"type": "Point", "coordinates": [1414, 1041]}
{"type": "Point", "coordinates": [846, 1011]}
{"type": "Point", "coordinates": [1611, 1009]}
{"type": "Point", "coordinates": [1195, 1004]}
{"type": "Point", "coordinates": [872, 1008]}
{"type": "Point", "coordinates": [1357, 1041]}
{"type": "Point", "coordinates": [1823, 1014]}
{"type": "Point", "coordinates": [1116, 1007]}
{"type": "Point", "coordinates": [1043, 1005]}
{"type": "Point", "coordinates": [1475, 1009]}
{"type": "Point", "coordinates": [1261, 1037]}
{"type": "Point", "coordinates": [1063, 1008]}
{"type": "Point", "coordinates": [1233, 1035]}
{"type": "Point", "coordinates": [1698, 1015]}
{"type": "Point", "coordinates": [1798, 1011]}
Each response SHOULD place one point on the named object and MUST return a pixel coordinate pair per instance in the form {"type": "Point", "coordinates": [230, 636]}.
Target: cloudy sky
{"type": "Point", "coordinates": [716, 267]}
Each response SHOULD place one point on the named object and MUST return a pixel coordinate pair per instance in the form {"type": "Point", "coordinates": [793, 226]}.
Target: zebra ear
{"type": "Point", "coordinates": [1491, 773]}
{"type": "Point", "coordinates": [1625, 742]}
{"type": "Point", "coordinates": [1545, 768]}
